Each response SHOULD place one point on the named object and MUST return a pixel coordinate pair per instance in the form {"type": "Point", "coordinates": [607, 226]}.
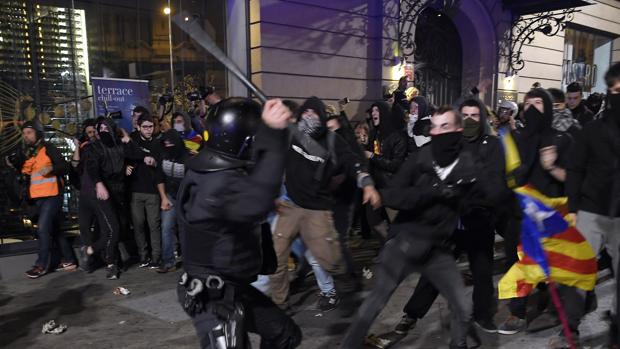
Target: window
{"type": "Point", "coordinates": [587, 57]}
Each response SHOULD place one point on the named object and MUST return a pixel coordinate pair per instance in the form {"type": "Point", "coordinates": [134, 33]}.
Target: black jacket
{"type": "Point", "coordinates": [593, 171]}
{"type": "Point", "coordinates": [425, 213]}
{"type": "Point", "coordinates": [393, 154]}
{"type": "Point", "coordinates": [219, 212]}
{"type": "Point", "coordinates": [582, 114]}
{"type": "Point", "coordinates": [388, 143]}
{"type": "Point", "coordinates": [302, 169]}
{"type": "Point", "coordinates": [144, 178]}
{"type": "Point", "coordinates": [489, 152]}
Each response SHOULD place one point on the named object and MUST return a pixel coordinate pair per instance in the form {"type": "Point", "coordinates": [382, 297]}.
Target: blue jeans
{"type": "Point", "coordinates": [50, 218]}
{"type": "Point", "coordinates": [323, 279]}
{"type": "Point", "coordinates": [168, 230]}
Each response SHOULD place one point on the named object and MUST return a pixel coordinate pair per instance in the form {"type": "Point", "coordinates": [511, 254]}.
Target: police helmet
{"type": "Point", "coordinates": [230, 128]}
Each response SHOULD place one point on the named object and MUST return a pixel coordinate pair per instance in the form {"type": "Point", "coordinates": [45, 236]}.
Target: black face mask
{"type": "Point", "coordinates": [533, 120]}
{"type": "Point", "coordinates": [311, 126]}
{"type": "Point", "coordinates": [471, 131]}
{"type": "Point", "coordinates": [445, 147]}
{"type": "Point", "coordinates": [106, 138]}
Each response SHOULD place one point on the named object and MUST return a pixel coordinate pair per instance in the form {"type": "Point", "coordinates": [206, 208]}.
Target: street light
{"type": "Point", "coordinates": [167, 12]}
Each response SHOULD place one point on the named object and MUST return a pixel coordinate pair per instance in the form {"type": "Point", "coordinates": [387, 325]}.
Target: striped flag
{"type": "Point", "coordinates": [550, 248]}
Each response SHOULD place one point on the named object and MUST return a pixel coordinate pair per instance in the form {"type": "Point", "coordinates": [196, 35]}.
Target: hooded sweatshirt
{"type": "Point", "coordinates": [308, 176]}
{"type": "Point", "coordinates": [389, 145]}
{"type": "Point", "coordinates": [105, 159]}
{"type": "Point", "coordinates": [537, 134]}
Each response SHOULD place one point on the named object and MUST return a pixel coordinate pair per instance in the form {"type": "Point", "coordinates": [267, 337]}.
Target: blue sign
{"type": "Point", "coordinates": [120, 95]}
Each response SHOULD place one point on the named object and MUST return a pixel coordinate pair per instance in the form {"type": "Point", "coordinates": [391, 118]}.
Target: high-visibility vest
{"type": "Point", "coordinates": [40, 186]}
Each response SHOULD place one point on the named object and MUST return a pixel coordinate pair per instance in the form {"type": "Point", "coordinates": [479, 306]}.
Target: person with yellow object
{"type": "Point", "coordinates": [183, 125]}
{"type": "Point", "coordinates": [45, 167]}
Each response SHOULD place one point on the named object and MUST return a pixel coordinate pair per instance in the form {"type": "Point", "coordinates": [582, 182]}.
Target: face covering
{"type": "Point", "coordinates": [179, 127]}
{"type": "Point", "coordinates": [533, 120]}
{"type": "Point", "coordinates": [106, 138]}
{"type": "Point", "coordinates": [311, 126]}
{"type": "Point", "coordinates": [471, 131]}
{"type": "Point", "coordinates": [445, 147]}
{"type": "Point", "coordinates": [412, 119]}
{"type": "Point", "coordinates": [421, 140]}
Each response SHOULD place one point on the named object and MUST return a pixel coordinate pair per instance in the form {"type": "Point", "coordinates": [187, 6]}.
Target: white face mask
{"type": "Point", "coordinates": [412, 120]}
{"type": "Point", "coordinates": [179, 127]}
{"type": "Point", "coordinates": [421, 140]}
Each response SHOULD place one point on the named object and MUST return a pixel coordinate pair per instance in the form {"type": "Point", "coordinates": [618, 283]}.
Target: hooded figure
{"type": "Point", "coordinates": [315, 128]}
{"type": "Point", "coordinates": [388, 143]}
{"type": "Point", "coordinates": [418, 124]}
{"type": "Point", "coordinates": [475, 129]}
{"type": "Point", "coordinates": [537, 134]}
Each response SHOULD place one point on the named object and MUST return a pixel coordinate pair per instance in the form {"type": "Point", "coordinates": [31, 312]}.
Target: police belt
{"type": "Point", "coordinates": [208, 289]}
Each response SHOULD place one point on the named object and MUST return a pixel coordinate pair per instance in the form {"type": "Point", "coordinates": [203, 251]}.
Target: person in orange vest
{"type": "Point", "coordinates": [45, 166]}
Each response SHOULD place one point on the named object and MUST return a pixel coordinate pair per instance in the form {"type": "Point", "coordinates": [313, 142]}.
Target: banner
{"type": "Point", "coordinates": [120, 95]}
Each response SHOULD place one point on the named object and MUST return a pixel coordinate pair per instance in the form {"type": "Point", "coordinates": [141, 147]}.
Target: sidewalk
{"type": "Point", "coordinates": [150, 317]}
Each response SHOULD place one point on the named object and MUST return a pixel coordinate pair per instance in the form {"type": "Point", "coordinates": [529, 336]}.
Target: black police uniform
{"type": "Point", "coordinates": [221, 202]}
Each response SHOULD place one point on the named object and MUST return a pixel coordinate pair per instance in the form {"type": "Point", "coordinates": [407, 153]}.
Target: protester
{"type": "Point", "coordinates": [477, 236]}
{"type": "Point", "coordinates": [428, 192]}
{"type": "Point", "coordinates": [148, 194]}
{"type": "Point", "coordinates": [174, 155]}
{"type": "Point", "coordinates": [313, 156]}
{"type": "Point", "coordinates": [103, 179]}
{"type": "Point", "coordinates": [592, 180]}
{"type": "Point", "coordinates": [576, 104]}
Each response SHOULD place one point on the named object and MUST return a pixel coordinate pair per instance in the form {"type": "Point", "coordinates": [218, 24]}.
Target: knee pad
{"type": "Point", "coordinates": [289, 338]}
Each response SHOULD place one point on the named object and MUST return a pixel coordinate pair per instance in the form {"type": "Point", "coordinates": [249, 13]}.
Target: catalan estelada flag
{"type": "Point", "coordinates": [550, 248]}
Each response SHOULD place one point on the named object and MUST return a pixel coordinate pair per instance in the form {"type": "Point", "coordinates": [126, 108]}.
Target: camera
{"type": "Point", "coordinates": [201, 93]}
{"type": "Point", "coordinates": [344, 101]}
{"type": "Point", "coordinates": [163, 99]}
{"type": "Point", "coordinates": [116, 114]}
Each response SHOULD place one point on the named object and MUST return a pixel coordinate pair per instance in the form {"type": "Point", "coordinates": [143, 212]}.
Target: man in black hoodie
{"type": "Point", "coordinates": [593, 181]}
{"type": "Point", "coordinates": [429, 191]}
{"type": "Point", "coordinates": [103, 190]}
{"type": "Point", "coordinates": [544, 153]}
{"type": "Point", "coordinates": [476, 236]}
{"type": "Point", "coordinates": [388, 150]}
{"type": "Point", "coordinates": [314, 156]}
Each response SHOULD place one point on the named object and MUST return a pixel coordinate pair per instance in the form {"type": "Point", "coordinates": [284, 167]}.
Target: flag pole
{"type": "Point", "coordinates": [561, 314]}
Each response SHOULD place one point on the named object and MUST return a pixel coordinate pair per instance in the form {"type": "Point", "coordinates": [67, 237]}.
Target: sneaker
{"type": "Point", "coordinates": [111, 272]}
{"type": "Point", "coordinates": [512, 325]}
{"type": "Point", "coordinates": [328, 301]}
{"type": "Point", "coordinates": [144, 263]}
{"type": "Point", "coordinates": [70, 266]}
{"type": "Point", "coordinates": [154, 265]}
{"type": "Point", "coordinates": [36, 272]}
{"type": "Point", "coordinates": [560, 342]}
{"type": "Point", "coordinates": [164, 269]}
{"type": "Point", "coordinates": [405, 325]}
{"type": "Point", "coordinates": [487, 325]}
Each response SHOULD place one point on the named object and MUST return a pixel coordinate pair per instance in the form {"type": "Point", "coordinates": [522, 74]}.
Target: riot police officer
{"type": "Point", "coordinates": [228, 190]}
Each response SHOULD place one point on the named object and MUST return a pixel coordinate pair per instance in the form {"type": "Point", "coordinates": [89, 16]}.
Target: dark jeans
{"type": "Point", "coordinates": [49, 221]}
{"type": "Point", "coordinates": [107, 220]}
{"type": "Point", "coordinates": [508, 226]}
{"type": "Point", "coordinates": [440, 269]}
{"type": "Point", "coordinates": [262, 317]}
{"type": "Point", "coordinates": [145, 209]}
{"type": "Point", "coordinates": [343, 215]}
{"type": "Point", "coordinates": [477, 240]}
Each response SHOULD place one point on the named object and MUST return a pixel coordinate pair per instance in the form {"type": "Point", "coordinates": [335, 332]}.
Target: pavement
{"type": "Point", "coordinates": [150, 316]}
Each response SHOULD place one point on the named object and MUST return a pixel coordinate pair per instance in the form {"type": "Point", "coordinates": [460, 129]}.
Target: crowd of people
{"type": "Point", "coordinates": [267, 183]}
